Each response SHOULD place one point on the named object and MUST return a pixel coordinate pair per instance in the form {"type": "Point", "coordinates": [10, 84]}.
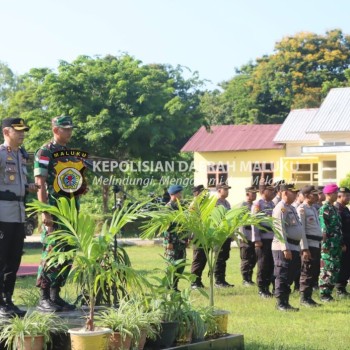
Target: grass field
{"type": "Point", "coordinates": [263, 327]}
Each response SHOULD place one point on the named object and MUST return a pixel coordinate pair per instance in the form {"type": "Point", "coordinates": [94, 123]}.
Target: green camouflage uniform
{"type": "Point", "coordinates": [44, 165]}
{"type": "Point", "coordinates": [331, 248]}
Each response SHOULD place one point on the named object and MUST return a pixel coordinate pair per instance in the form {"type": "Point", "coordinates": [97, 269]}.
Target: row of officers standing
{"type": "Point", "coordinates": [314, 223]}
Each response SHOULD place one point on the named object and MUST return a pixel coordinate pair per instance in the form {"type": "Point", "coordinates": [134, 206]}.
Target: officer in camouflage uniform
{"type": "Point", "coordinates": [247, 248]}
{"type": "Point", "coordinates": [175, 242]}
{"type": "Point", "coordinates": [331, 246]}
{"type": "Point", "coordinates": [46, 169]}
{"type": "Point", "coordinates": [262, 239]}
{"type": "Point", "coordinates": [13, 188]}
{"type": "Point", "coordinates": [344, 212]}
{"type": "Point", "coordinates": [287, 252]}
{"type": "Point", "coordinates": [310, 266]}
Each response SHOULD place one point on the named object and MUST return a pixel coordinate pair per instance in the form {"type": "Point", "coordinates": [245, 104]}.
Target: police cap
{"type": "Point", "coordinates": [175, 189]}
{"type": "Point", "coordinates": [288, 187]}
{"type": "Point", "coordinates": [15, 123]}
{"type": "Point", "coordinates": [343, 190]}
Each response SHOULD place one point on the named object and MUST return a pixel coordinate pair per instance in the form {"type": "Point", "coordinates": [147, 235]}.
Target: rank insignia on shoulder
{"type": "Point", "coordinates": [283, 210]}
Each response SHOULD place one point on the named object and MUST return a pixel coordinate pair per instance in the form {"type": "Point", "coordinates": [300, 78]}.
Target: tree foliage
{"type": "Point", "coordinates": [122, 108]}
{"type": "Point", "coordinates": [299, 74]}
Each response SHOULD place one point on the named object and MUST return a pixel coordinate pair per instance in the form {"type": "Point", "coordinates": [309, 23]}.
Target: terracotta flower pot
{"type": "Point", "coordinates": [33, 343]}
{"type": "Point", "coordinates": [116, 342]}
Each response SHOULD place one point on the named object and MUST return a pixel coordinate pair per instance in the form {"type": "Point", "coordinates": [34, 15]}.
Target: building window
{"type": "Point", "coordinates": [262, 173]}
{"type": "Point", "coordinates": [329, 171]}
{"type": "Point", "coordinates": [305, 174]}
{"type": "Point", "coordinates": [216, 173]}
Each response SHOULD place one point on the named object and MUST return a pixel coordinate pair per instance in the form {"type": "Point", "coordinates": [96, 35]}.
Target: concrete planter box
{"type": "Point", "coordinates": [229, 342]}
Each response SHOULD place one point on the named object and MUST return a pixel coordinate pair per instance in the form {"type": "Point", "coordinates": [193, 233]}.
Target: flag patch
{"type": "Point", "coordinates": [44, 160]}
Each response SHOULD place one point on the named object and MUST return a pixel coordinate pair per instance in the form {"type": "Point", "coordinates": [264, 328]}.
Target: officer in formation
{"type": "Point", "coordinates": [247, 247]}
{"type": "Point", "coordinates": [344, 273]}
{"type": "Point", "coordinates": [175, 242]}
{"type": "Point", "coordinates": [287, 252]}
{"type": "Point", "coordinates": [332, 243]}
{"type": "Point", "coordinates": [199, 258]}
{"type": "Point", "coordinates": [262, 239]}
{"type": "Point", "coordinates": [224, 253]}
{"type": "Point", "coordinates": [50, 280]}
{"type": "Point", "coordinates": [13, 188]}
{"type": "Point", "coordinates": [310, 265]}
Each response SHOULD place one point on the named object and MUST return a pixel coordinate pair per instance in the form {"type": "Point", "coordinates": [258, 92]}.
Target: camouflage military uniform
{"type": "Point", "coordinates": [44, 165]}
{"type": "Point", "coordinates": [331, 248]}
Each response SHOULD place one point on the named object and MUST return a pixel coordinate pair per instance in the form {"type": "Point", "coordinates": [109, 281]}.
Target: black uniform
{"type": "Point", "coordinates": [344, 273]}
{"type": "Point", "coordinates": [247, 251]}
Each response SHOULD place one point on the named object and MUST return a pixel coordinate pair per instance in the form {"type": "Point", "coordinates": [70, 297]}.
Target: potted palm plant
{"type": "Point", "coordinates": [210, 225]}
{"type": "Point", "coordinates": [32, 332]}
{"type": "Point", "coordinates": [88, 248]}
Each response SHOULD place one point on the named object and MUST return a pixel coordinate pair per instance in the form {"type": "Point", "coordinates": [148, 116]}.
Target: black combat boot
{"type": "Point", "coordinates": [283, 304]}
{"type": "Point", "coordinates": [45, 304]}
{"type": "Point", "coordinates": [56, 299]}
{"type": "Point", "coordinates": [306, 300]}
{"type": "Point", "coordinates": [5, 311]}
{"type": "Point", "coordinates": [265, 293]}
{"type": "Point", "coordinates": [342, 292]}
{"type": "Point", "coordinates": [11, 306]}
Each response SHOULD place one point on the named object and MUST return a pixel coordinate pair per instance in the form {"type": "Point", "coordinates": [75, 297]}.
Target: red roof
{"type": "Point", "coordinates": [234, 138]}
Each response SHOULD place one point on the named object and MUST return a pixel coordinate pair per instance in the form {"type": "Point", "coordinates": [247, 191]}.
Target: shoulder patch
{"type": "Point", "coordinates": [302, 211]}
{"type": "Point", "coordinates": [283, 210]}
{"type": "Point", "coordinates": [256, 208]}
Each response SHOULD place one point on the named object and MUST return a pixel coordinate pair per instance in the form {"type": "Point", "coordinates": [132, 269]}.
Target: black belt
{"type": "Point", "coordinates": [293, 241]}
{"type": "Point", "coordinates": [10, 196]}
{"type": "Point", "coordinates": [314, 238]}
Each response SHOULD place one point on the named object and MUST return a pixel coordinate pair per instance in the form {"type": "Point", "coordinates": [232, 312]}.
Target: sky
{"type": "Point", "coordinates": [211, 37]}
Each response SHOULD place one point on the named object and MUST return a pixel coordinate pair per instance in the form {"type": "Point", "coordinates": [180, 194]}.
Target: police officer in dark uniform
{"type": "Point", "coordinates": [199, 259]}
{"type": "Point", "coordinates": [175, 242]}
{"type": "Point", "coordinates": [287, 252]}
{"type": "Point", "coordinates": [13, 188]}
{"type": "Point", "coordinates": [247, 247]}
{"type": "Point", "coordinates": [262, 239]}
{"type": "Point", "coordinates": [310, 267]}
{"type": "Point", "coordinates": [344, 212]}
{"type": "Point", "coordinates": [224, 253]}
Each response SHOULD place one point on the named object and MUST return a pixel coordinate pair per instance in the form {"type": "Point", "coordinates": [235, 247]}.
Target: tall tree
{"type": "Point", "coordinates": [122, 108]}
{"type": "Point", "coordinates": [298, 74]}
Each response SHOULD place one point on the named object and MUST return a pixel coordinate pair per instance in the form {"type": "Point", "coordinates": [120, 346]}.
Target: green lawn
{"type": "Point", "coordinates": [263, 327]}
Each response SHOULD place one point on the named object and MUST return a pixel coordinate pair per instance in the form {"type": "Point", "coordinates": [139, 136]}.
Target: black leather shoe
{"type": "Point", "coordinates": [265, 294]}
{"type": "Point", "coordinates": [326, 298]}
{"type": "Point", "coordinates": [48, 305]}
{"type": "Point", "coordinates": [6, 312]}
{"type": "Point", "coordinates": [223, 284]}
{"type": "Point", "coordinates": [248, 283]}
{"type": "Point", "coordinates": [286, 307]}
{"type": "Point", "coordinates": [309, 302]}
{"type": "Point", "coordinates": [15, 309]}
{"type": "Point", "coordinates": [63, 304]}
{"type": "Point", "coordinates": [197, 285]}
